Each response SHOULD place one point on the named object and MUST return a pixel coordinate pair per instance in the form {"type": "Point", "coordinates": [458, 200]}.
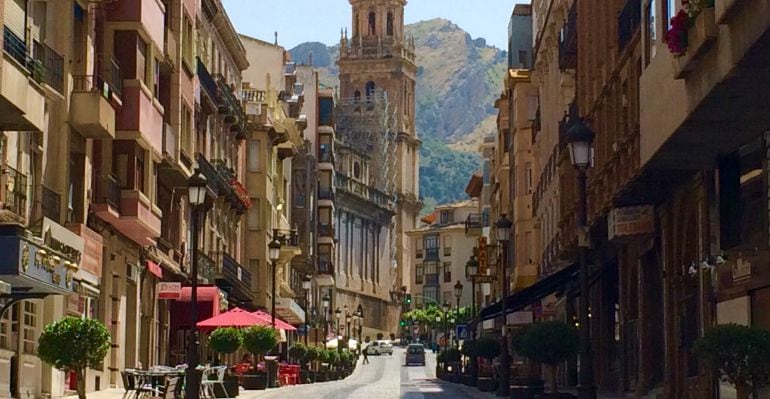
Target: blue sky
{"type": "Point", "coordinates": [300, 21]}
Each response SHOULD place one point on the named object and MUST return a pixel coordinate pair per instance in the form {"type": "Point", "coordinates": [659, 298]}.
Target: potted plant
{"type": "Point", "coordinates": [226, 340]}
{"type": "Point", "coordinates": [333, 358]}
{"type": "Point", "coordinates": [550, 343]}
{"type": "Point", "coordinates": [739, 354]}
{"type": "Point", "coordinates": [74, 344]}
{"type": "Point", "coordinates": [488, 348]}
{"type": "Point", "coordinates": [298, 353]}
{"type": "Point", "coordinates": [323, 370]}
{"type": "Point", "coordinates": [313, 357]}
{"type": "Point", "coordinates": [258, 340]}
{"type": "Point", "coordinates": [529, 384]}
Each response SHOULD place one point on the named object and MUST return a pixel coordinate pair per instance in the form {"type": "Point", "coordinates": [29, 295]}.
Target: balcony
{"type": "Point", "coordinates": [51, 204]}
{"type": "Point", "coordinates": [254, 106]}
{"type": "Point", "coordinates": [325, 154]}
{"type": "Point", "coordinates": [325, 193]}
{"type": "Point", "coordinates": [474, 225]}
{"type": "Point", "coordinates": [141, 117]}
{"type": "Point", "coordinates": [106, 199]}
{"type": "Point", "coordinates": [629, 19]}
{"type": "Point", "coordinates": [568, 44]}
{"type": "Point", "coordinates": [170, 170]}
{"type": "Point", "coordinates": [207, 268]}
{"type": "Point", "coordinates": [22, 100]}
{"type": "Point", "coordinates": [16, 192]}
{"type": "Point", "coordinates": [325, 267]}
{"type": "Point", "coordinates": [325, 230]}
{"type": "Point", "coordinates": [361, 190]}
{"type": "Point", "coordinates": [139, 218]}
{"type": "Point", "coordinates": [232, 276]}
{"type": "Point", "coordinates": [91, 112]}
{"type": "Point", "coordinates": [208, 85]}
{"type": "Point", "coordinates": [144, 16]}
{"type": "Point", "coordinates": [230, 107]}
{"type": "Point", "coordinates": [224, 182]}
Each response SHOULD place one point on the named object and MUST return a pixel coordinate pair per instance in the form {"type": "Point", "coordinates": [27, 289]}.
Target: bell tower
{"type": "Point", "coordinates": [380, 56]}
{"type": "Point", "coordinates": [379, 59]}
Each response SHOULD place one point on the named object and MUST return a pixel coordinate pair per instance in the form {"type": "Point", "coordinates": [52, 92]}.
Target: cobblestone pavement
{"type": "Point", "coordinates": [385, 377]}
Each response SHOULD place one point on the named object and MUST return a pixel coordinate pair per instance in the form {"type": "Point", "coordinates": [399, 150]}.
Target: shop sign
{"type": "Point", "coordinates": [37, 269]}
{"type": "Point", "coordinates": [169, 290]}
{"type": "Point", "coordinates": [482, 255]}
{"type": "Point", "coordinates": [60, 239]}
{"type": "Point", "coordinates": [631, 222]}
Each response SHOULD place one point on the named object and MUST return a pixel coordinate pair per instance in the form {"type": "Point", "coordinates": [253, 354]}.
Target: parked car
{"type": "Point", "coordinates": [415, 354]}
{"type": "Point", "coordinates": [380, 347]}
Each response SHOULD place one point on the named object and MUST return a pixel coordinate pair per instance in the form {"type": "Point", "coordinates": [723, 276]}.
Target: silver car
{"type": "Point", "coordinates": [381, 347]}
{"type": "Point", "coordinates": [415, 354]}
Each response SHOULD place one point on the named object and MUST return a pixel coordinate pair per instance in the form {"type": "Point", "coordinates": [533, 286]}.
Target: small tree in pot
{"type": "Point", "coordinates": [470, 371]}
{"type": "Point", "coordinates": [226, 340]}
{"type": "Point", "coordinates": [740, 354]}
{"type": "Point", "coordinates": [258, 340]}
{"type": "Point", "coordinates": [298, 353]}
{"type": "Point", "coordinates": [487, 348]}
{"type": "Point", "coordinates": [74, 344]}
{"type": "Point", "coordinates": [550, 343]}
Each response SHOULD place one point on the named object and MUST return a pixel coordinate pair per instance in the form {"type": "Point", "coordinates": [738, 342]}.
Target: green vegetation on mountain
{"type": "Point", "coordinates": [458, 80]}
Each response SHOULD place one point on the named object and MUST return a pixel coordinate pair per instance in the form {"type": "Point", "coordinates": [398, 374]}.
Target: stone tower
{"type": "Point", "coordinates": [379, 56]}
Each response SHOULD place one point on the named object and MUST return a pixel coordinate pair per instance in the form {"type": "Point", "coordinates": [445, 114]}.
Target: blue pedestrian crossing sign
{"type": "Point", "coordinates": [462, 332]}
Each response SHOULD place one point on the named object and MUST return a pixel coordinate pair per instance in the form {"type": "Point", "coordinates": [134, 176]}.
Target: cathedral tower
{"type": "Point", "coordinates": [379, 57]}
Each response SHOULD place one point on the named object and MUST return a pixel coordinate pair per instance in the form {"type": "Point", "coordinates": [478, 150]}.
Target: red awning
{"type": "Point", "coordinates": [205, 294]}
{"type": "Point", "coordinates": [279, 324]}
{"type": "Point", "coordinates": [235, 317]}
{"type": "Point", "coordinates": [155, 269]}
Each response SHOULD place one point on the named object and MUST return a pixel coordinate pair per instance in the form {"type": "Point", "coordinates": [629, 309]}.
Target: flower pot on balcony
{"type": "Point", "coordinates": [700, 38]}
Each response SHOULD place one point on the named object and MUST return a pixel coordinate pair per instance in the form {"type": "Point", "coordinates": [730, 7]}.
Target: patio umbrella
{"type": "Point", "coordinates": [279, 324]}
{"type": "Point", "coordinates": [235, 317]}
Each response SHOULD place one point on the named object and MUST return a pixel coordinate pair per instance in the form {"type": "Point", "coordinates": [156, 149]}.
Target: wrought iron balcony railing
{"type": "Point", "coordinates": [16, 192]}
{"type": "Point", "coordinates": [52, 65]}
{"type": "Point", "coordinates": [51, 204]}
{"type": "Point", "coordinates": [107, 191]}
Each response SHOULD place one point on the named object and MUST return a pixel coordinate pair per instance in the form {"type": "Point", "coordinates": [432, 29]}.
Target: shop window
{"type": "Point", "coordinates": [29, 327]}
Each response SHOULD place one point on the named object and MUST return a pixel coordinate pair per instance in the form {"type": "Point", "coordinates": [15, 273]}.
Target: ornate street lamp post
{"type": "Point", "coordinates": [580, 144]}
{"type": "Point", "coordinates": [458, 294]}
{"type": "Point", "coordinates": [306, 282]}
{"type": "Point", "coordinates": [325, 302]}
{"type": "Point", "coordinates": [197, 190]}
{"type": "Point", "coordinates": [503, 236]}
{"type": "Point", "coordinates": [273, 252]}
{"type": "Point", "coordinates": [445, 306]}
{"type": "Point", "coordinates": [360, 313]}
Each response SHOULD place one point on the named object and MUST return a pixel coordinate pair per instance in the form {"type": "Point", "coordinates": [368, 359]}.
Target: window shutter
{"type": "Point", "coordinates": [15, 17]}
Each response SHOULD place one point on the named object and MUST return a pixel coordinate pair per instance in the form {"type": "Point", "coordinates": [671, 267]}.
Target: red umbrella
{"type": "Point", "coordinates": [235, 317]}
{"type": "Point", "coordinates": [279, 324]}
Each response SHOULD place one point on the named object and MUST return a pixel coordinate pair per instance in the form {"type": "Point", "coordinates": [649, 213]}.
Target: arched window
{"type": "Point", "coordinates": [372, 24]}
{"type": "Point", "coordinates": [357, 95]}
{"type": "Point", "coordinates": [390, 24]}
{"type": "Point", "coordinates": [357, 170]}
{"type": "Point", "coordinates": [370, 89]}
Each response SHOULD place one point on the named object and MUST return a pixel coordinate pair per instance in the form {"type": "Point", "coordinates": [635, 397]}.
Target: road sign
{"type": "Point", "coordinates": [462, 332]}
{"type": "Point", "coordinates": [442, 341]}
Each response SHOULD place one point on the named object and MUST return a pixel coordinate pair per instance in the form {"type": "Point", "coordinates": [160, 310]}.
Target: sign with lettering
{"type": "Point", "coordinates": [483, 255]}
{"type": "Point", "coordinates": [630, 222]}
{"type": "Point", "coordinates": [169, 290]}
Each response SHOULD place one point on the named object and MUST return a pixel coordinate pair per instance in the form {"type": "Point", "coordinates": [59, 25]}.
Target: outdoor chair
{"type": "Point", "coordinates": [170, 389]}
{"type": "Point", "coordinates": [208, 385]}
{"type": "Point", "coordinates": [135, 384]}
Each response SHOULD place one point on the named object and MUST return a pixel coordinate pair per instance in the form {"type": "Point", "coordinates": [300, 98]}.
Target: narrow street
{"type": "Point", "coordinates": [385, 377]}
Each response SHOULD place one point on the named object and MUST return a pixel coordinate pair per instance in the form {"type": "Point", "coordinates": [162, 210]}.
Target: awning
{"type": "Point", "coordinates": [521, 299]}
{"type": "Point", "coordinates": [205, 294]}
{"type": "Point", "coordinates": [279, 324]}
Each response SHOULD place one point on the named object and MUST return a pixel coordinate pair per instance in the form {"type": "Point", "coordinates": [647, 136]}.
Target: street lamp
{"type": "Point", "coordinates": [458, 294]}
{"type": "Point", "coordinates": [472, 269]}
{"type": "Point", "coordinates": [337, 314]}
{"type": "Point", "coordinates": [197, 189]}
{"type": "Point", "coordinates": [438, 323]}
{"type": "Point", "coordinates": [306, 282]}
{"type": "Point", "coordinates": [274, 252]}
{"type": "Point", "coordinates": [580, 144]}
{"type": "Point", "coordinates": [360, 312]}
{"type": "Point", "coordinates": [503, 236]}
{"type": "Point", "coordinates": [445, 306]}
{"type": "Point", "coordinates": [325, 302]}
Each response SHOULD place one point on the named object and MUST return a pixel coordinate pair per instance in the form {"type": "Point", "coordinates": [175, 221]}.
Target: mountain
{"type": "Point", "coordinates": [458, 80]}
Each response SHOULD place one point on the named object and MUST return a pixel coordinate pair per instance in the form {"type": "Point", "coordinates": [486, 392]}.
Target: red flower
{"type": "Point", "coordinates": [676, 38]}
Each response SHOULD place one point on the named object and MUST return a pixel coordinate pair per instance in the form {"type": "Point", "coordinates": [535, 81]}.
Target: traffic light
{"type": "Point", "coordinates": [408, 299]}
{"type": "Point", "coordinates": [402, 323]}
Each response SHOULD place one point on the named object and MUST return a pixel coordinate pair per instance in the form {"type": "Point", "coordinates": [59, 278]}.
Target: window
{"type": "Point", "coordinates": [523, 59]}
{"type": "Point", "coordinates": [140, 170]}
{"type": "Point", "coordinates": [447, 272]}
{"type": "Point", "coordinates": [254, 146]}
{"type": "Point", "coordinates": [669, 10]}
{"type": "Point", "coordinates": [357, 170]}
{"type": "Point", "coordinates": [390, 24]}
{"type": "Point", "coordinates": [447, 245]}
{"type": "Point", "coordinates": [370, 88]}
{"type": "Point", "coordinates": [651, 35]}
{"type": "Point", "coordinates": [5, 329]}
{"type": "Point", "coordinates": [253, 215]}
{"type": "Point", "coordinates": [186, 131]}
{"type": "Point", "coordinates": [418, 248]}
{"type": "Point", "coordinates": [29, 328]}
{"type": "Point", "coordinates": [357, 95]}
{"type": "Point", "coordinates": [447, 217]}
{"type": "Point", "coordinates": [418, 271]}
{"type": "Point", "coordinates": [431, 246]}
{"type": "Point", "coordinates": [141, 61]}
{"type": "Point", "coordinates": [188, 41]}
{"type": "Point", "coordinates": [448, 298]}
{"type": "Point", "coordinates": [528, 177]}
{"type": "Point", "coordinates": [431, 268]}
{"type": "Point", "coordinates": [432, 293]}
{"type": "Point", "coordinates": [156, 78]}
{"type": "Point", "coordinates": [254, 269]}
{"type": "Point", "coordinates": [372, 24]}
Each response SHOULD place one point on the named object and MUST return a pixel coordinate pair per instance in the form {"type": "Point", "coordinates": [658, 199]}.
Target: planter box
{"type": "Point", "coordinates": [254, 381]}
{"type": "Point", "coordinates": [700, 38]}
{"type": "Point", "coordinates": [231, 385]}
{"type": "Point", "coordinates": [486, 384]}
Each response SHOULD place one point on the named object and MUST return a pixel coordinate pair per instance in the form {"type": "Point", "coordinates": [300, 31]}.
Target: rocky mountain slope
{"type": "Point", "coordinates": [458, 79]}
